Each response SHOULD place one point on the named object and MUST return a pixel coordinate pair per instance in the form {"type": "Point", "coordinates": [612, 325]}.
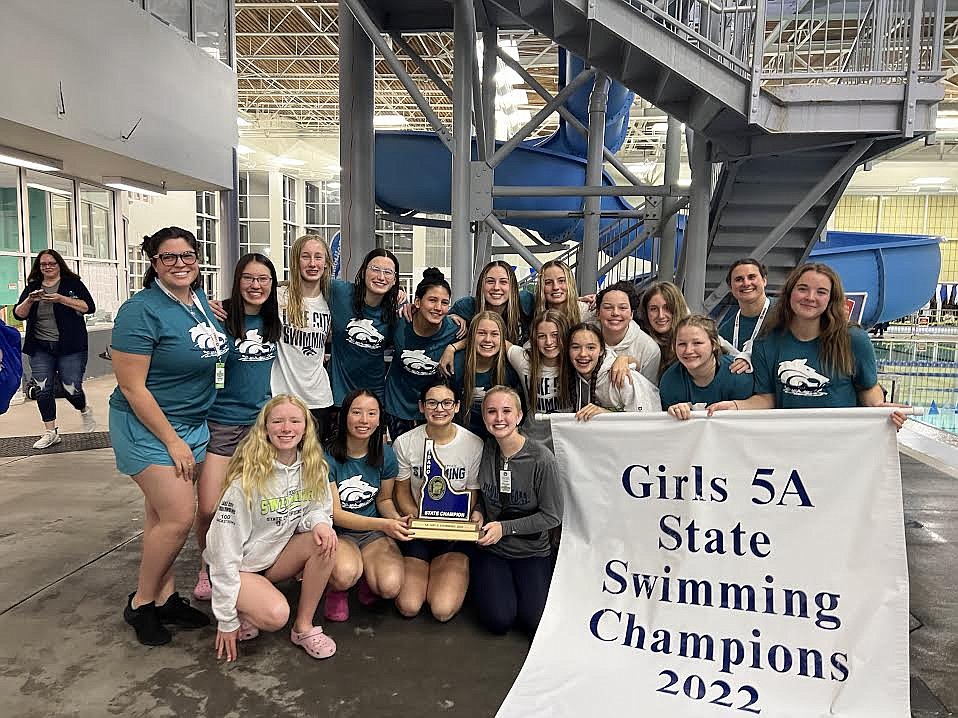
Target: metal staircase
{"type": "Point", "coordinates": [832, 85]}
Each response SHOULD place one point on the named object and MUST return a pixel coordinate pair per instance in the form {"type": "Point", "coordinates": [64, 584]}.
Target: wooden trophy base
{"type": "Point", "coordinates": [444, 530]}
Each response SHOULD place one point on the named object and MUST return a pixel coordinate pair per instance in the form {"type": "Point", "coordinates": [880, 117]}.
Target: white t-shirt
{"type": "Point", "coordinates": [640, 346]}
{"type": "Point", "coordinates": [460, 457]}
{"type": "Point", "coordinates": [547, 396]}
{"type": "Point", "coordinates": [299, 367]}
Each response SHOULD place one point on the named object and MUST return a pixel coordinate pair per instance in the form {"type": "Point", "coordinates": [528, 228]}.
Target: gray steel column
{"type": "Point", "coordinates": [357, 142]}
{"type": "Point", "coordinates": [697, 229]}
{"type": "Point", "coordinates": [673, 158]}
{"type": "Point", "coordinates": [490, 62]}
{"type": "Point", "coordinates": [228, 240]}
{"type": "Point", "coordinates": [587, 264]}
{"type": "Point", "coordinates": [464, 48]}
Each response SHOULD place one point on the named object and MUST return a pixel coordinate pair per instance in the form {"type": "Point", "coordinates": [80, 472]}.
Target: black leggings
{"type": "Point", "coordinates": [508, 591]}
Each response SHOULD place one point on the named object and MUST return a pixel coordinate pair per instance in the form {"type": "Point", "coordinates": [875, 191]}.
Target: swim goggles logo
{"type": "Point", "coordinates": [362, 333]}
{"type": "Point", "coordinates": [356, 493]}
{"type": "Point", "coordinates": [253, 348]}
{"type": "Point", "coordinates": [210, 341]}
{"type": "Point", "coordinates": [799, 379]}
{"type": "Point", "coordinates": [416, 361]}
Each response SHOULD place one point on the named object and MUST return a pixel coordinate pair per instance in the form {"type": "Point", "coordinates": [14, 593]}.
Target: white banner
{"type": "Point", "coordinates": [748, 563]}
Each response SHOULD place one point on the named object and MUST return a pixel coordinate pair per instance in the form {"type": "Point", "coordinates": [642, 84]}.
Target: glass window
{"type": "Point", "coordinates": [9, 216]}
{"type": "Point", "coordinates": [101, 279]}
{"type": "Point", "coordinates": [254, 195]}
{"type": "Point", "coordinates": [95, 226]}
{"type": "Point", "coordinates": [212, 28]}
{"type": "Point", "coordinates": [175, 13]}
{"type": "Point", "coordinates": [254, 237]}
{"type": "Point", "coordinates": [11, 275]}
{"type": "Point", "coordinates": [50, 206]}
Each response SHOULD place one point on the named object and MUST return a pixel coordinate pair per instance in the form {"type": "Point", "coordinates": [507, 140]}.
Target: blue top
{"type": "Point", "coordinates": [358, 482]}
{"type": "Point", "coordinates": [792, 371]}
{"type": "Point", "coordinates": [182, 345]}
{"type": "Point", "coordinates": [359, 344]}
{"type": "Point", "coordinates": [483, 382]}
{"type": "Point", "coordinates": [414, 363]}
{"type": "Point", "coordinates": [248, 368]}
{"type": "Point", "coordinates": [70, 323]}
{"type": "Point", "coordinates": [676, 385]}
{"type": "Point", "coordinates": [465, 307]}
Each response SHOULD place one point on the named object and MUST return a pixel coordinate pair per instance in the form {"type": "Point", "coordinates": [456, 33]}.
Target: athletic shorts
{"type": "Point", "coordinates": [428, 550]}
{"type": "Point", "coordinates": [361, 538]}
{"type": "Point", "coordinates": [136, 447]}
{"type": "Point", "coordinates": [225, 438]}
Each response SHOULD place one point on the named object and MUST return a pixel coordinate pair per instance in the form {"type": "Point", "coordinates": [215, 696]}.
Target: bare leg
{"type": "Point", "coordinates": [261, 602]}
{"type": "Point", "coordinates": [348, 567]}
{"type": "Point", "coordinates": [448, 581]}
{"type": "Point", "coordinates": [208, 489]}
{"type": "Point", "coordinates": [383, 566]}
{"type": "Point", "coordinates": [413, 592]}
{"type": "Point", "coordinates": [302, 553]}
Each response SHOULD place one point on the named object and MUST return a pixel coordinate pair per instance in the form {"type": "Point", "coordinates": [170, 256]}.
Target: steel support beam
{"type": "Point", "coordinates": [568, 214]}
{"type": "Point", "coordinates": [229, 229]}
{"type": "Point", "coordinates": [422, 64]}
{"type": "Point", "coordinates": [357, 141]}
{"type": "Point", "coordinates": [487, 108]}
{"type": "Point", "coordinates": [643, 236]}
{"type": "Point", "coordinates": [644, 190]}
{"type": "Point", "coordinates": [464, 44]}
{"type": "Point", "coordinates": [697, 228]}
{"type": "Point", "coordinates": [587, 266]}
{"type": "Point", "coordinates": [673, 158]}
{"type": "Point", "coordinates": [510, 239]}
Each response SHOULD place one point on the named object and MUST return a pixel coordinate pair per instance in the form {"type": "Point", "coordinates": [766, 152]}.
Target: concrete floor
{"type": "Point", "coordinates": [69, 546]}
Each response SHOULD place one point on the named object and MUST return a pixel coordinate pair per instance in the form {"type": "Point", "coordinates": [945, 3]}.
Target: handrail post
{"type": "Point", "coordinates": [758, 62]}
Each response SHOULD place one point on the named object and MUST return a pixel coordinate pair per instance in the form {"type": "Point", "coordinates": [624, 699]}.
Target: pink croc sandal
{"type": "Point", "coordinates": [314, 642]}
{"type": "Point", "coordinates": [247, 631]}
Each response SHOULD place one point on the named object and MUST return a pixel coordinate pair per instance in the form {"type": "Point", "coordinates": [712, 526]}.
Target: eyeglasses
{"type": "Point", "coordinates": [250, 279]}
{"type": "Point", "coordinates": [386, 272]}
{"type": "Point", "coordinates": [434, 404]}
{"type": "Point", "coordinates": [48, 265]}
{"type": "Point", "coordinates": [168, 259]}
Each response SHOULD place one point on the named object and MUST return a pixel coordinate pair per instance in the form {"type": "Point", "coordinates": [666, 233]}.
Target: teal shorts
{"type": "Point", "coordinates": [136, 447]}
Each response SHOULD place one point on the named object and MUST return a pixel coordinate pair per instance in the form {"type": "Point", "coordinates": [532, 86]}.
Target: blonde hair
{"type": "Point", "coordinates": [472, 359]}
{"type": "Point", "coordinates": [675, 303]}
{"type": "Point", "coordinates": [707, 325]}
{"type": "Point", "coordinates": [570, 307]}
{"type": "Point", "coordinates": [835, 344]}
{"type": "Point", "coordinates": [535, 357]}
{"type": "Point", "coordinates": [512, 316]}
{"type": "Point", "coordinates": [295, 305]}
{"type": "Point", "coordinates": [503, 389]}
{"type": "Point", "coordinates": [252, 464]}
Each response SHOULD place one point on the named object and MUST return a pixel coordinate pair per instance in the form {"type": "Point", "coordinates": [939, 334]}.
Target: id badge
{"type": "Point", "coordinates": [505, 481]}
{"type": "Point", "coordinates": [220, 375]}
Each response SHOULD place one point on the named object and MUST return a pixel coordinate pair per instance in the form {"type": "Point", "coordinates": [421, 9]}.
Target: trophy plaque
{"type": "Point", "coordinates": [444, 513]}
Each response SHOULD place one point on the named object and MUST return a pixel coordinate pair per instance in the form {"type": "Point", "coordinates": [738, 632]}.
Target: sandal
{"type": "Point", "coordinates": [247, 631]}
{"type": "Point", "coordinates": [316, 643]}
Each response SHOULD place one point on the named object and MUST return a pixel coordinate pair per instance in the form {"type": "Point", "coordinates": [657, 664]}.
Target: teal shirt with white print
{"type": "Point", "coordinates": [183, 344]}
{"type": "Point", "coordinates": [415, 362]}
{"type": "Point", "coordinates": [793, 371]}
{"type": "Point", "coordinates": [677, 386]}
{"type": "Point", "coordinates": [248, 367]}
{"type": "Point", "coordinates": [359, 344]}
{"type": "Point", "coordinates": [358, 482]}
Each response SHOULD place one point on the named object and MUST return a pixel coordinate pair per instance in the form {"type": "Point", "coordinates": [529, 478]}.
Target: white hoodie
{"type": "Point", "coordinates": [641, 347]}
{"type": "Point", "coordinates": [639, 394]}
{"type": "Point", "coordinates": [248, 534]}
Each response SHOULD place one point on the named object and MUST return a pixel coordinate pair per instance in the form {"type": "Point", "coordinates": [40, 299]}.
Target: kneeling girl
{"type": "Point", "coordinates": [273, 522]}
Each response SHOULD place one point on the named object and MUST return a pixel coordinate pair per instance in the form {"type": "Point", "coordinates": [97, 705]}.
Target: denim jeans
{"type": "Point", "coordinates": [46, 364]}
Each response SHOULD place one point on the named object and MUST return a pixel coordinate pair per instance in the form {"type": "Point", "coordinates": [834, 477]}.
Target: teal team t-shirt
{"type": "Point", "coordinates": [415, 361]}
{"type": "Point", "coordinates": [746, 326]}
{"type": "Point", "coordinates": [484, 382]}
{"type": "Point", "coordinates": [465, 307]}
{"type": "Point", "coordinates": [792, 371]}
{"type": "Point", "coordinates": [182, 348]}
{"type": "Point", "coordinates": [359, 344]}
{"type": "Point", "coordinates": [676, 386]}
{"type": "Point", "coordinates": [248, 369]}
{"type": "Point", "coordinates": [358, 483]}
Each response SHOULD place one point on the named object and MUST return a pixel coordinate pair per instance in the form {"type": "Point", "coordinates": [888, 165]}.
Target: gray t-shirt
{"type": "Point", "coordinates": [45, 327]}
{"type": "Point", "coordinates": [535, 500]}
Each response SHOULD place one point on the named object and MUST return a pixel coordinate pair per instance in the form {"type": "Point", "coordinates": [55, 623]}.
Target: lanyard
{"type": "Point", "coordinates": [758, 325]}
{"type": "Point", "coordinates": [211, 328]}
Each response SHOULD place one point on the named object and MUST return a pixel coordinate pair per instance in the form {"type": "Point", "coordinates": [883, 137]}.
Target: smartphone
{"type": "Point", "coordinates": [37, 293]}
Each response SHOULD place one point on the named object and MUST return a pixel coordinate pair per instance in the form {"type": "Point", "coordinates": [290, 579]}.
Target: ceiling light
{"type": "Point", "coordinates": [288, 162]}
{"type": "Point", "coordinates": [243, 150]}
{"type": "Point", "coordinates": [684, 182]}
{"type": "Point", "coordinates": [30, 160]}
{"type": "Point", "coordinates": [929, 180]}
{"type": "Point", "coordinates": [384, 121]}
{"type": "Point", "coordinates": [51, 190]}
{"type": "Point", "coordinates": [132, 185]}
{"type": "Point", "coordinates": [242, 122]}
{"type": "Point", "coordinates": [660, 127]}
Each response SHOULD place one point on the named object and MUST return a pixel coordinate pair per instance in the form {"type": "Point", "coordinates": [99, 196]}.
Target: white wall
{"type": "Point", "coordinates": [175, 209]}
{"type": "Point", "coordinates": [115, 63]}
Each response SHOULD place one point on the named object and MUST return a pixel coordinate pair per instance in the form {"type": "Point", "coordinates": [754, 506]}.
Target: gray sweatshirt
{"type": "Point", "coordinates": [248, 534]}
{"type": "Point", "coordinates": [535, 493]}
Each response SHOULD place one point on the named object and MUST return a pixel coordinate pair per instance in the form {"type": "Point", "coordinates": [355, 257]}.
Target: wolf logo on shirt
{"type": "Point", "coordinates": [355, 493]}
{"type": "Point", "coordinates": [799, 379]}
{"type": "Point", "coordinates": [210, 341]}
{"type": "Point", "coordinates": [253, 348]}
{"type": "Point", "coordinates": [362, 333]}
{"type": "Point", "coordinates": [417, 362]}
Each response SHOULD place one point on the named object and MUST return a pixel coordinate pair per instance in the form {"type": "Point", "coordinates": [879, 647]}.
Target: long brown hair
{"type": "Point", "coordinates": [675, 303]}
{"type": "Point", "coordinates": [570, 307]}
{"type": "Point", "coordinates": [835, 344]}
{"type": "Point", "coordinates": [295, 304]}
{"type": "Point", "coordinates": [576, 379]}
{"type": "Point", "coordinates": [535, 357]}
{"type": "Point", "coordinates": [512, 315]}
{"type": "Point", "coordinates": [472, 360]}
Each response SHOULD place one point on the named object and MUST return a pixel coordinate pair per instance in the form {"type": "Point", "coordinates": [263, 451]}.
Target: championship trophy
{"type": "Point", "coordinates": [444, 513]}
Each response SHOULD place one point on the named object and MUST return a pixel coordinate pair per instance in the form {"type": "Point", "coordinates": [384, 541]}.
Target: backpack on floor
{"type": "Point", "coordinates": [11, 365]}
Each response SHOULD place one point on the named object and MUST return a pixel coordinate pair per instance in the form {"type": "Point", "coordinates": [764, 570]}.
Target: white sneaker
{"type": "Point", "coordinates": [89, 421]}
{"type": "Point", "coordinates": [48, 439]}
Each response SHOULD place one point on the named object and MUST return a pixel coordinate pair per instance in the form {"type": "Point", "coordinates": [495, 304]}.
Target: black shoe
{"type": "Point", "coordinates": [146, 622]}
{"type": "Point", "coordinates": [178, 611]}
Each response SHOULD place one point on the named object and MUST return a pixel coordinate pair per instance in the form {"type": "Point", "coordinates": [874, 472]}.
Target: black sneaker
{"type": "Point", "coordinates": [178, 612]}
{"type": "Point", "coordinates": [146, 622]}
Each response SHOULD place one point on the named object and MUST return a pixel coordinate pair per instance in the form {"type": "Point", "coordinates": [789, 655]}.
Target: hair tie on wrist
{"type": "Point", "coordinates": [736, 404]}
